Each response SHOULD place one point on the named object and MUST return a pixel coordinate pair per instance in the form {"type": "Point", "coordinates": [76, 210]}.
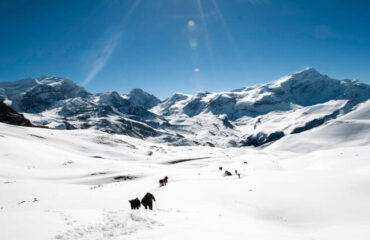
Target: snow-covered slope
{"type": "Point", "coordinates": [69, 185]}
{"type": "Point", "coordinates": [350, 129]}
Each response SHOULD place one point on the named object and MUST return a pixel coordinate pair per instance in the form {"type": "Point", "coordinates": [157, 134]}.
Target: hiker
{"type": "Point", "coordinates": [163, 182]}
{"type": "Point", "coordinates": [236, 172]}
{"type": "Point", "coordinates": [239, 175]}
{"type": "Point", "coordinates": [147, 201]}
{"type": "Point", "coordinates": [135, 203]}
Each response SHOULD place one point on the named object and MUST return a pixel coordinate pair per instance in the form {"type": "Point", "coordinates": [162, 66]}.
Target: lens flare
{"type": "Point", "coordinates": [191, 23]}
{"type": "Point", "coordinates": [196, 70]}
{"type": "Point", "coordinates": [207, 37]}
{"type": "Point", "coordinates": [227, 31]}
{"type": "Point", "coordinates": [108, 43]}
{"type": "Point", "coordinates": [193, 44]}
{"type": "Point", "coordinates": [204, 23]}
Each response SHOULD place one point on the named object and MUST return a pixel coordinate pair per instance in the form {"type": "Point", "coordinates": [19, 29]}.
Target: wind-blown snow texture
{"type": "Point", "coordinates": [250, 116]}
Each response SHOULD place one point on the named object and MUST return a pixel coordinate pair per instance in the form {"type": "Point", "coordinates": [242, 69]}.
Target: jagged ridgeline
{"type": "Point", "coordinates": [250, 116]}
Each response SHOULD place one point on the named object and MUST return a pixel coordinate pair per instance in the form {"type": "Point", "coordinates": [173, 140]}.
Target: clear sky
{"type": "Point", "coordinates": [167, 46]}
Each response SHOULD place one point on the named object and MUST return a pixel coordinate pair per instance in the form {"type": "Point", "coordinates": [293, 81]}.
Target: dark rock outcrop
{"type": "Point", "coordinates": [9, 116]}
{"type": "Point", "coordinates": [262, 138]}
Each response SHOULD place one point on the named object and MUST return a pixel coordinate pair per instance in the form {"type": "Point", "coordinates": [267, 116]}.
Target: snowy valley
{"type": "Point", "coordinates": [301, 145]}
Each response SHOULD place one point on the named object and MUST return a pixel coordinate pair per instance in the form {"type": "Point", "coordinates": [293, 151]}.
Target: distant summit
{"type": "Point", "coordinates": [39, 94]}
{"type": "Point", "coordinates": [142, 98]}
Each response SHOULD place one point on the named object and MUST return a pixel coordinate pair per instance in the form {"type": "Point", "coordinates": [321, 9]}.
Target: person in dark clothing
{"type": "Point", "coordinates": [147, 201]}
{"type": "Point", "coordinates": [135, 203]}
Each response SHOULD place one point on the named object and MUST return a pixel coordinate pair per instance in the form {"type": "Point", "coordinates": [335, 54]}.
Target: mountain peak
{"type": "Point", "coordinates": [143, 99]}
{"type": "Point", "coordinates": [135, 91]}
{"type": "Point", "coordinates": [49, 79]}
{"type": "Point", "coordinates": [309, 72]}
{"type": "Point", "coordinates": [178, 95]}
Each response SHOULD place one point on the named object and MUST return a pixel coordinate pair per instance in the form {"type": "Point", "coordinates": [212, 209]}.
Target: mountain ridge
{"type": "Point", "coordinates": [298, 102]}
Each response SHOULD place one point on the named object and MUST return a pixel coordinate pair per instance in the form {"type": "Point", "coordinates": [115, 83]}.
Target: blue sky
{"type": "Point", "coordinates": [167, 46]}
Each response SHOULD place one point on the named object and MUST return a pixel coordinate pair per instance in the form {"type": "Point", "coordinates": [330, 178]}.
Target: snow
{"type": "Point", "coordinates": [75, 184]}
{"type": "Point", "coordinates": [8, 102]}
{"type": "Point", "coordinates": [352, 129]}
{"type": "Point", "coordinates": [312, 185]}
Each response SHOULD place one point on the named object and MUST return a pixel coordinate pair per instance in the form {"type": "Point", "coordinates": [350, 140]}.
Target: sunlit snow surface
{"type": "Point", "coordinates": [57, 184]}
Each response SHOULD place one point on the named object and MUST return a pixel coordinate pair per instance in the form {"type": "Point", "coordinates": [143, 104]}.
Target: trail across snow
{"type": "Point", "coordinates": [69, 185]}
{"type": "Point", "coordinates": [112, 225]}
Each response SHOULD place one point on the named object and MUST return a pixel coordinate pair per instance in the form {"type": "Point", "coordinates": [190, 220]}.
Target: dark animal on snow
{"type": "Point", "coordinates": [220, 168]}
{"type": "Point", "coordinates": [163, 182]}
{"type": "Point", "coordinates": [147, 201]}
{"type": "Point", "coordinates": [245, 162]}
{"type": "Point", "coordinates": [227, 173]}
{"type": "Point", "coordinates": [135, 203]}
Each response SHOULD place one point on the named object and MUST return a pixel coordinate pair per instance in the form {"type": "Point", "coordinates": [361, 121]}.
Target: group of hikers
{"type": "Point", "coordinates": [228, 173]}
{"type": "Point", "coordinates": [147, 202]}
{"type": "Point", "coordinates": [148, 199]}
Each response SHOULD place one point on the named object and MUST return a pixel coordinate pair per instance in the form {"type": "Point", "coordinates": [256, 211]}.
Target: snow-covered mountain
{"type": "Point", "coordinates": [60, 103]}
{"type": "Point", "coordinates": [262, 113]}
{"type": "Point", "coordinates": [37, 95]}
{"type": "Point", "coordinates": [143, 99]}
{"type": "Point", "coordinates": [305, 88]}
{"type": "Point", "coordinates": [250, 116]}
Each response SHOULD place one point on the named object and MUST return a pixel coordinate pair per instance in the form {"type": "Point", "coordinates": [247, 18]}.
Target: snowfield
{"type": "Point", "coordinates": [75, 184]}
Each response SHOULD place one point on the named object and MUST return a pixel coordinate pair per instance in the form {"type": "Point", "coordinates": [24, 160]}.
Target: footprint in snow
{"type": "Point", "coordinates": [114, 225]}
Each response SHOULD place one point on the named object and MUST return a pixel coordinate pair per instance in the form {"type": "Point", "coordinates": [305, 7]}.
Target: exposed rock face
{"type": "Point", "coordinates": [9, 116]}
{"type": "Point", "coordinates": [319, 121]}
{"type": "Point", "coordinates": [262, 138]}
